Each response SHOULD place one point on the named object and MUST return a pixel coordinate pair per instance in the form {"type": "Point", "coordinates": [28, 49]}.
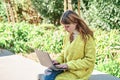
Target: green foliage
{"type": "Point", "coordinates": [3, 16]}
{"type": "Point", "coordinates": [47, 38]}
{"type": "Point", "coordinates": [111, 67]}
{"type": "Point", "coordinates": [106, 43]}
{"type": "Point", "coordinates": [24, 38]}
{"type": "Point", "coordinates": [107, 51]}
{"type": "Point", "coordinates": [103, 13]}
{"type": "Point", "coordinates": [50, 10]}
{"type": "Point", "coordinates": [15, 37]}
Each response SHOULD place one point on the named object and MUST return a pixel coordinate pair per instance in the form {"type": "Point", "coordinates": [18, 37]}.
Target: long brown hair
{"type": "Point", "coordinates": [70, 17]}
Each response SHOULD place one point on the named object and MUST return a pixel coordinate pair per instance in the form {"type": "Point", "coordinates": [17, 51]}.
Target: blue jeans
{"type": "Point", "coordinates": [51, 74]}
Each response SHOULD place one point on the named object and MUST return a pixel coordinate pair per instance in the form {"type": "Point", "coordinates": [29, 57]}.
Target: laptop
{"type": "Point", "coordinates": [45, 60]}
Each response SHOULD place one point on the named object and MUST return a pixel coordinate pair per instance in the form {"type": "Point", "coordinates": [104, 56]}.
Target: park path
{"type": "Point", "coordinates": [17, 67]}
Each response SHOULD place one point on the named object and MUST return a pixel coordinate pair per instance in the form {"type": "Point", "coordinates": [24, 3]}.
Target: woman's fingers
{"type": "Point", "coordinates": [62, 66]}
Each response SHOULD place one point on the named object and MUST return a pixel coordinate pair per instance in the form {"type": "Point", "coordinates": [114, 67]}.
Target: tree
{"type": "Point", "coordinates": [11, 11]}
{"type": "Point", "coordinates": [27, 13]}
{"type": "Point", "coordinates": [70, 5]}
{"type": "Point", "coordinates": [103, 13]}
{"type": "Point", "coordinates": [79, 7]}
{"type": "Point", "coordinates": [50, 10]}
{"type": "Point", "coordinates": [65, 5]}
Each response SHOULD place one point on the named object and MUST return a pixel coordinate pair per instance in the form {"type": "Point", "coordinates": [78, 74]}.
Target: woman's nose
{"type": "Point", "coordinates": [67, 26]}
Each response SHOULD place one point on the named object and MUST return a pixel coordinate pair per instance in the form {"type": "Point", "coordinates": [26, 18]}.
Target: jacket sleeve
{"type": "Point", "coordinates": [88, 60]}
{"type": "Point", "coordinates": [60, 58]}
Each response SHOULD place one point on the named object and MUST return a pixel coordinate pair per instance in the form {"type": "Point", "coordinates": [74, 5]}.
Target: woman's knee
{"type": "Point", "coordinates": [52, 75]}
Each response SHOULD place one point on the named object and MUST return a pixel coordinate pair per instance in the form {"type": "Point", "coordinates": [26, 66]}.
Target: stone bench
{"type": "Point", "coordinates": [96, 75]}
{"type": "Point", "coordinates": [15, 67]}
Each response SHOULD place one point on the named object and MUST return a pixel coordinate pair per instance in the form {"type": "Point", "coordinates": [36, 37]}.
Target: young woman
{"type": "Point", "coordinates": [78, 54]}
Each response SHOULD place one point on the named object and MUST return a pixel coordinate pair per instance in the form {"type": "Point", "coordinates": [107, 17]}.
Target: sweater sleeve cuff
{"type": "Point", "coordinates": [70, 66]}
{"type": "Point", "coordinates": [59, 60]}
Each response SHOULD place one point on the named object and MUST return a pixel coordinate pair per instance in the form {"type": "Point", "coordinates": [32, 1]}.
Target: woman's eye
{"type": "Point", "coordinates": [67, 26]}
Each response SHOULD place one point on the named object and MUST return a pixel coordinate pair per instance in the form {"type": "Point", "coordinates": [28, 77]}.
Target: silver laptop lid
{"type": "Point", "coordinates": [44, 58]}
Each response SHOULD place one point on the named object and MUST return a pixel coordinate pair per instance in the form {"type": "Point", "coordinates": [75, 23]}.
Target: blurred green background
{"type": "Point", "coordinates": [29, 24]}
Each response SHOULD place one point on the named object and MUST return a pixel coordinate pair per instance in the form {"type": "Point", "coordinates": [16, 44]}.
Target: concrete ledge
{"type": "Point", "coordinates": [97, 75]}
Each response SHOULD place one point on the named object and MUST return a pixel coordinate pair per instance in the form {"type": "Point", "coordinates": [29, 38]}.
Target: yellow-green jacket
{"type": "Point", "coordinates": [79, 57]}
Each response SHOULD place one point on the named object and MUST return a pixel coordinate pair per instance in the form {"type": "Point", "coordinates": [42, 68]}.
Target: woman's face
{"type": "Point", "coordinates": [70, 27]}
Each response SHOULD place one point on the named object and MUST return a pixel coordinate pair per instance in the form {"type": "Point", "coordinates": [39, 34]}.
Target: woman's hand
{"type": "Point", "coordinates": [55, 62]}
{"type": "Point", "coordinates": [64, 66]}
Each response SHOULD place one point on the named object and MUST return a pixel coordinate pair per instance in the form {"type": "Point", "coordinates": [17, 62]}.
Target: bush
{"type": "Point", "coordinates": [106, 43]}
{"type": "Point", "coordinates": [104, 14]}
{"type": "Point", "coordinates": [15, 37]}
{"type": "Point", "coordinates": [47, 38]}
{"type": "Point", "coordinates": [110, 67]}
{"type": "Point", "coordinates": [3, 16]}
{"type": "Point", "coordinates": [107, 51]}
{"type": "Point", "coordinates": [24, 38]}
